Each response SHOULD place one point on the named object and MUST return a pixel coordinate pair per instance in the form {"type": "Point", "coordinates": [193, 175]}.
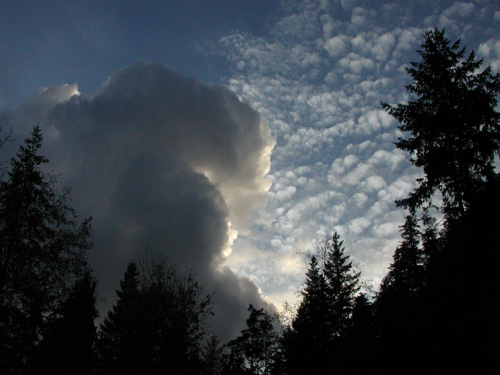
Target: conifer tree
{"type": "Point", "coordinates": [255, 351]}
{"type": "Point", "coordinates": [406, 273]}
{"type": "Point", "coordinates": [313, 343]}
{"type": "Point", "coordinates": [157, 324]}
{"type": "Point", "coordinates": [307, 341]}
{"type": "Point", "coordinates": [213, 356]}
{"type": "Point", "coordinates": [452, 124]}
{"type": "Point", "coordinates": [42, 252]}
{"type": "Point", "coordinates": [343, 281]}
{"type": "Point", "coordinates": [68, 343]}
{"type": "Point", "coordinates": [119, 346]}
{"type": "Point", "coordinates": [358, 347]}
{"type": "Point", "coordinates": [399, 307]}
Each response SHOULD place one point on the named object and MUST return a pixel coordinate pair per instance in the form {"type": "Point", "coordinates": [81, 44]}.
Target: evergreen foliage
{"type": "Point", "coordinates": [42, 252]}
{"type": "Point", "coordinates": [435, 306]}
{"type": "Point", "coordinates": [256, 350]}
{"type": "Point", "coordinates": [314, 342]}
{"type": "Point", "coordinates": [119, 346]}
{"type": "Point", "coordinates": [453, 125]}
{"type": "Point", "coordinates": [157, 323]}
{"type": "Point", "coordinates": [213, 357]}
{"type": "Point", "coordinates": [68, 343]}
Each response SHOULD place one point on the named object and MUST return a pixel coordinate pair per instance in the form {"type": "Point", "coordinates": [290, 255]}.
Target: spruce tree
{"type": "Point", "coordinates": [213, 356]}
{"type": "Point", "coordinates": [406, 273]}
{"type": "Point", "coordinates": [343, 281]}
{"type": "Point", "coordinates": [307, 341]}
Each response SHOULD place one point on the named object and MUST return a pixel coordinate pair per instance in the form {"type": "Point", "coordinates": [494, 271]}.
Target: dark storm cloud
{"type": "Point", "coordinates": [161, 163]}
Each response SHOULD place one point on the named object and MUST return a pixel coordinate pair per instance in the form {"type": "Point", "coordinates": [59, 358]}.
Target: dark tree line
{"type": "Point", "coordinates": [437, 307]}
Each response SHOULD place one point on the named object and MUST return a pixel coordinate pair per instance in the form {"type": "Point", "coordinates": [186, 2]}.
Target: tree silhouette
{"type": "Point", "coordinates": [453, 127]}
{"type": "Point", "coordinates": [157, 324]}
{"type": "Point", "coordinates": [307, 341]}
{"type": "Point", "coordinates": [314, 342]}
{"type": "Point", "coordinates": [68, 343]}
{"type": "Point", "coordinates": [119, 344]}
{"type": "Point", "coordinates": [255, 351]}
{"type": "Point", "coordinates": [406, 273]}
{"type": "Point", "coordinates": [41, 253]}
{"type": "Point", "coordinates": [358, 347]}
{"type": "Point", "coordinates": [399, 304]}
{"type": "Point", "coordinates": [213, 357]}
{"type": "Point", "coordinates": [435, 306]}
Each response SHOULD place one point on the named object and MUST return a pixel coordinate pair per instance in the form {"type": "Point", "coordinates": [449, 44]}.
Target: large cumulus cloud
{"type": "Point", "coordinates": [163, 163]}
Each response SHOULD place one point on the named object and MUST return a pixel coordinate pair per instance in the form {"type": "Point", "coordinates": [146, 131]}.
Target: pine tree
{"type": "Point", "coordinates": [307, 341]}
{"type": "Point", "coordinates": [42, 252]}
{"type": "Point", "coordinates": [399, 305]}
{"type": "Point", "coordinates": [358, 347]}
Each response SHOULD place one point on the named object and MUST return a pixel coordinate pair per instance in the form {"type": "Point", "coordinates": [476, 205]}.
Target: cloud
{"type": "Point", "coordinates": [335, 166]}
{"type": "Point", "coordinates": [335, 46]}
{"type": "Point", "coordinates": [162, 163]}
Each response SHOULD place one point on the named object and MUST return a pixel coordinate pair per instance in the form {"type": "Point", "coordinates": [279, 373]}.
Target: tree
{"type": "Point", "coordinates": [118, 344]}
{"type": "Point", "coordinates": [343, 282]}
{"type": "Point", "coordinates": [406, 273]}
{"type": "Point", "coordinates": [157, 324]}
{"type": "Point", "coordinates": [453, 132]}
{"type": "Point", "coordinates": [307, 341]}
{"type": "Point", "coordinates": [255, 351]}
{"type": "Point", "coordinates": [358, 347]}
{"type": "Point", "coordinates": [213, 356]}
{"type": "Point", "coordinates": [453, 128]}
{"type": "Point", "coordinates": [42, 252]}
{"type": "Point", "coordinates": [400, 310]}
{"type": "Point", "coordinates": [314, 342]}
{"type": "Point", "coordinates": [67, 346]}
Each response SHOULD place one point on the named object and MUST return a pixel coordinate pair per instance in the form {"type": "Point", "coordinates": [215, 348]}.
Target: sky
{"type": "Point", "coordinates": [231, 135]}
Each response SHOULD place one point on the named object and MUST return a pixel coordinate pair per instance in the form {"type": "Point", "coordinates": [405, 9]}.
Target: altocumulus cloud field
{"type": "Point", "coordinates": [318, 77]}
{"type": "Point", "coordinates": [236, 179]}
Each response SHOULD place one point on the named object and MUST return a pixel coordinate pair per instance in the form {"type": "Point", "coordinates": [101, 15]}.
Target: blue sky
{"type": "Point", "coordinates": [312, 152]}
{"type": "Point", "coordinates": [45, 43]}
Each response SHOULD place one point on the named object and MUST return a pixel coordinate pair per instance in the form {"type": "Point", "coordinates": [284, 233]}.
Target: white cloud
{"type": "Point", "coordinates": [356, 64]}
{"type": "Point", "coordinates": [335, 46]}
{"type": "Point", "coordinates": [160, 162]}
{"type": "Point", "coordinates": [459, 10]}
{"type": "Point", "coordinates": [358, 225]}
